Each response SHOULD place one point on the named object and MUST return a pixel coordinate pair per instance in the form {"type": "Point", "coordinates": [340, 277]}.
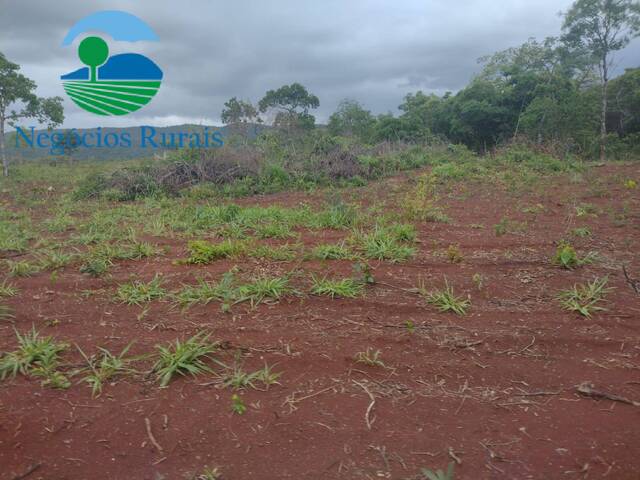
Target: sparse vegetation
{"type": "Point", "coordinates": [36, 356]}
{"type": "Point", "coordinates": [345, 287]}
{"type": "Point", "coordinates": [370, 357]}
{"type": "Point", "coordinates": [186, 357]}
{"type": "Point", "coordinates": [585, 299]}
{"type": "Point", "coordinates": [136, 292]}
{"type": "Point", "coordinates": [446, 300]}
{"type": "Point", "coordinates": [567, 257]}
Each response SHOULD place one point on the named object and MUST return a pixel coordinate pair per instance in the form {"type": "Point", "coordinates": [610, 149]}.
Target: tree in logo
{"type": "Point", "coordinates": [93, 52]}
{"type": "Point", "coordinates": [117, 84]}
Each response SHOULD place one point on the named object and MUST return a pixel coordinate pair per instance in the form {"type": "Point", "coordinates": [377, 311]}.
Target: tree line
{"type": "Point", "coordinates": [558, 90]}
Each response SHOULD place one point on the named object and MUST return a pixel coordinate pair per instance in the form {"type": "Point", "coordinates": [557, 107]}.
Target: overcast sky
{"type": "Point", "coordinates": [372, 51]}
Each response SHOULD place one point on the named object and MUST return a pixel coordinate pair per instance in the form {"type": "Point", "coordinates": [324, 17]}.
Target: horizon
{"type": "Point", "coordinates": [334, 56]}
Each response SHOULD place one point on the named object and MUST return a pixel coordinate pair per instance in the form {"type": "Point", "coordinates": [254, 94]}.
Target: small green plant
{"type": "Point", "coordinates": [346, 287]}
{"type": "Point", "coordinates": [332, 252]}
{"type": "Point", "coordinates": [267, 376]}
{"type": "Point", "coordinates": [421, 203]}
{"type": "Point", "coordinates": [363, 274]}
{"type": "Point", "coordinates": [382, 245]}
{"type": "Point", "coordinates": [209, 474]}
{"type": "Point", "coordinates": [104, 368]}
{"type": "Point", "coordinates": [370, 357]}
{"type": "Point", "coordinates": [478, 280]}
{"type": "Point", "coordinates": [585, 298]}
{"type": "Point", "coordinates": [446, 300]}
{"type": "Point", "coordinates": [403, 232]}
{"type": "Point", "coordinates": [96, 266]}
{"type": "Point", "coordinates": [585, 209]}
{"type": "Point", "coordinates": [534, 209]}
{"type": "Point", "coordinates": [506, 225]}
{"type": "Point", "coordinates": [186, 357]}
{"type": "Point", "coordinates": [201, 252]}
{"type": "Point", "coordinates": [581, 232]}
{"type": "Point", "coordinates": [37, 356]}
{"type": "Point", "coordinates": [5, 312]}
{"type": "Point", "coordinates": [274, 230]}
{"type": "Point", "coordinates": [263, 288]}
{"type": "Point", "coordinates": [205, 292]}
{"type": "Point", "coordinates": [439, 474]}
{"type": "Point", "coordinates": [566, 257]}
{"type": "Point", "coordinates": [454, 254]}
{"type": "Point", "coordinates": [630, 184]}
{"type": "Point", "coordinates": [137, 293]}
{"type": "Point", "coordinates": [237, 404]}
{"type": "Point", "coordinates": [55, 260]}
{"type": "Point", "coordinates": [7, 289]}
{"type": "Point", "coordinates": [21, 268]}
{"type": "Point", "coordinates": [410, 326]}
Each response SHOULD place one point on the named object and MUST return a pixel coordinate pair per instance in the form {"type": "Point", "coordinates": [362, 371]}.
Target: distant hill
{"type": "Point", "coordinates": [135, 150]}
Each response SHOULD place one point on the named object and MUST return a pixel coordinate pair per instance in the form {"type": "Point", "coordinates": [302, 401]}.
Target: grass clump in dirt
{"type": "Point", "coordinates": [207, 292]}
{"type": "Point", "coordinates": [237, 379]}
{"type": "Point", "coordinates": [370, 357]}
{"type": "Point", "coordinates": [36, 356]}
{"type": "Point", "coordinates": [105, 367]}
{"type": "Point", "coordinates": [585, 298]}
{"type": "Point", "coordinates": [22, 268]}
{"type": "Point", "coordinates": [7, 289]}
{"type": "Point", "coordinates": [184, 358]}
{"type": "Point", "coordinates": [421, 203]}
{"type": "Point", "coordinates": [332, 252]}
{"type": "Point", "coordinates": [445, 299]}
{"type": "Point", "coordinates": [439, 474]}
{"type": "Point", "coordinates": [454, 254]}
{"type": "Point", "coordinates": [202, 252]}
{"type": "Point", "coordinates": [567, 257]}
{"type": "Point", "coordinates": [383, 243]}
{"type": "Point", "coordinates": [136, 292]}
{"type": "Point", "coordinates": [262, 288]}
{"type": "Point", "coordinates": [345, 287]}
{"type": "Point", "coordinates": [5, 312]}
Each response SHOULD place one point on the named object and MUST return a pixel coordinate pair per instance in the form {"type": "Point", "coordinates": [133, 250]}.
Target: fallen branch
{"type": "Point", "coordinates": [153, 440]}
{"type": "Point", "coordinates": [634, 284]}
{"type": "Point", "coordinates": [367, 415]}
{"type": "Point", "coordinates": [32, 469]}
{"type": "Point", "coordinates": [587, 389]}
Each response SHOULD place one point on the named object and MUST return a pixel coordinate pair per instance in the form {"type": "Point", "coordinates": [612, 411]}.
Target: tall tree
{"type": "Point", "coordinates": [17, 92]}
{"type": "Point", "coordinates": [351, 119]}
{"type": "Point", "coordinates": [602, 27]}
{"type": "Point", "coordinates": [292, 103]}
{"type": "Point", "coordinates": [238, 115]}
{"type": "Point", "coordinates": [238, 111]}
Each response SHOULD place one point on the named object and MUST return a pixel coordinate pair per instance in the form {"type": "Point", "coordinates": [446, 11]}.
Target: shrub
{"type": "Point", "coordinates": [201, 252]}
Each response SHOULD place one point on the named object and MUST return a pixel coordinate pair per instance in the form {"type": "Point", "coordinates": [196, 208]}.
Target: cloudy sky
{"type": "Point", "coordinates": [373, 51]}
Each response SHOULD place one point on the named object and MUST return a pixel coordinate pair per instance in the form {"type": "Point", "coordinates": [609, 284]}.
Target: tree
{"type": "Point", "coordinates": [238, 111]}
{"type": "Point", "coordinates": [238, 114]}
{"type": "Point", "coordinates": [624, 98]}
{"type": "Point", "coordinates": [17, 91]}
{"type": "Point", "coordinates": [351, 119]}
{"type": "Point", "coordinates": [292, 103]}
{"type": "Point", "coordinates": [429, 114]}
{"type": "Point", "coordinates": [602, 27]}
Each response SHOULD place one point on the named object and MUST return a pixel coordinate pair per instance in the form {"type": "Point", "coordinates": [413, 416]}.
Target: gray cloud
{"type": "Point", "coordinates": [374, 51]}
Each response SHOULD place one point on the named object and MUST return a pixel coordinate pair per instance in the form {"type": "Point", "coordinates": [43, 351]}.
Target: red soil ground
{"type": "Point", "coordinates": [494, 390]}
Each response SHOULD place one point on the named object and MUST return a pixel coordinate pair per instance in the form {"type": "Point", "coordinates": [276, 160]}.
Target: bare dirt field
{"type": "Point", "coordinates": [381, 385]}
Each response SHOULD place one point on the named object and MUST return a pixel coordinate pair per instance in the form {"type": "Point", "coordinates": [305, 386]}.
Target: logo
{"type": "Point", "coordinates": [117, 84]}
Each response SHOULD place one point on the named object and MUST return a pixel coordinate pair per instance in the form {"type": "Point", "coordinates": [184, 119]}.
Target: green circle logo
{"type": "Point", "coordinates": [111, 85]}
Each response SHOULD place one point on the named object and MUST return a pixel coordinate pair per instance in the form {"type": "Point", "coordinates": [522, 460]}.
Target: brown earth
{"type": "Point", "coordinates": [494, 390]}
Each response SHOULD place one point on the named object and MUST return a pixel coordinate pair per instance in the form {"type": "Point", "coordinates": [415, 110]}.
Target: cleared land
{"type": "Point", "coordinates": [339, 334]}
